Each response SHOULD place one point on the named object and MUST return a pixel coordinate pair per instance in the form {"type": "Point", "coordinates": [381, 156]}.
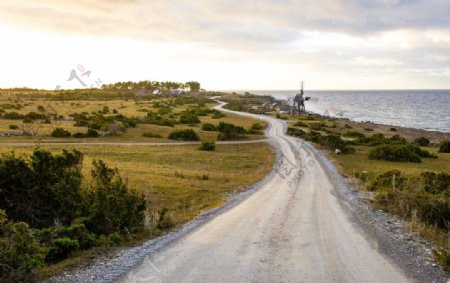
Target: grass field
{"type": "Point", "coordinates": [182, 178]}
{"type": "Point", "coordinates": [133, 107]}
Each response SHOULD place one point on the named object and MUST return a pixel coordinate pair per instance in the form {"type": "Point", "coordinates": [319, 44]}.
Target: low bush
{"type": "Point", "coordinates": [317, 126]}
{"type": "Point", "coordinates": [301, 124]}
{"type": "Point", "coordinates": [422, 141]}
{"type": "Point", "coordinates": [184, 135]}
{"type": "Point", "coordinates": [230, 132]}
{"type": "Point", "coordinates": [209, 127]}
{"type": "Point", "coordinates": [296, 132]}
{"type": "Point", "coordinates": [12, 116]}
{"type": "Point", "coordinates": [443, 257]}
{"type": "Point", "coordinates": [60, 133]}
{"type": "Point", "coordinates": [354, 134]}
{"type": "Point", "coordinates": [217, 114]}
{"type": "Point", "coordinates": [208, 146]}
{"type": "Point", "coordinates": [386, 180]}
{"type": "Point", "coordinates": [399, 152]}
{"type": "Point", "coordinates": [151, 135]}
{"type": "Point", "coordinates": [333, 142]}
{"type": "Point", "coordinates": [188, 117]}
{"type": "Point", "coordinates": [436, 183]}
{"type": "Point", "coordinates": [61, 248]}
{"type": "Point", "coordinates": [430, 205]}
{"type": "Point", "coordinates": [445, 147]}
{"type": "Point", "coordinates": [13, 127]}
{"type": "Point", "coordinates": [156, 119]}
{"type": "Point", "coordinates": [256, 127]}
{"type": "Point", "coordinates": [20, 252]}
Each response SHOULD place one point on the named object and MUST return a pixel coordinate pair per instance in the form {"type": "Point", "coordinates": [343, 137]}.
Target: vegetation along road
{"type": "Point", "coordinates": [299, 226]}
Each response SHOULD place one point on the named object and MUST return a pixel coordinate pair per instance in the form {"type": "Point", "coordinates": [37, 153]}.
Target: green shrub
{"type": "Point", "coordinates": [208, 146]}
{"type": "Point", "coordinates": [256, 127]}
{"type": "Point", "coordinates": [385, 180]}
{"type": "Point", "coordinates": [60, 133]}
{"type": "Point", "coordinates": [115, 239]}
{"type": "Point", "coordinates": [184, 135]}
{"type": "Point", "coordinates": [27, 120]}
{"type": "Point", "coordinates": [13, 127]}
{"type": "Point", "coordinates": [317, 126]}
{"type": "Point", "coordinates": [111, 205]}
{"type": "Point", "coordinates": [42, 189]}
{"type": "Point", "coordinates": [61, 248]}
{"type": "Point", "coordinates": [296, 132]}
{"type": "Point", "coordinates": [443, 257]}
{"type": "Point", "coordinates": [217, 114]}
{"type": "Point", "coordinates": [399, 152]}
{"type": "Point", "coordinates": [91, 133]}
{"type": "Point", "coordinates": [155, 119]}
{"type": "Point", "coordinates": [393, 129]}
{"type": "Point", "coordinates": [41, 108]}
{"type": "Point", "coordinates": [230, 132]}
{"type": "Point", "coordinates": [209, 127]}
{"type": "Point", "coordinates": [354, 134]}
{"type": "Point", "coordinates": [445, 147]}
{"type": "Point", "coordinates": [12, 116]}
{"type": "Point", "coordinates": [436, 183]}
{"type": "Point", "coordinates": [164, 111]}
{"type": "Point", "coordinates": [20, 252]}
{"type": "Point", "coordinates": [422, 141]}
{"type": "Point", "coordinates": [333, 142]}
{"type": "Point", "coordinates": [301, 124]}
{"type": "Point", "coordinates": [187, 117]}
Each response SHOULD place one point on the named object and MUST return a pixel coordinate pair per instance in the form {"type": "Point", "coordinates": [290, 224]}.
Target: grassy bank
{"type": "Point", "coordinates": [182, 179]}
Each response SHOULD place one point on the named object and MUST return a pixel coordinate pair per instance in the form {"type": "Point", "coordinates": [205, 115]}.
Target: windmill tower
{"type": "Point", "coordinates": [299, 102]}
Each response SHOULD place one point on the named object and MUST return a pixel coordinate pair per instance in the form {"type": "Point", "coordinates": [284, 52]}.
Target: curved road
{"type": "Point", "coordinates": [293, 229]}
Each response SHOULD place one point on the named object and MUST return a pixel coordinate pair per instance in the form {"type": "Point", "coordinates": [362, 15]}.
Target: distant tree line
{"type": "Point", "coordinates": [153, 85]}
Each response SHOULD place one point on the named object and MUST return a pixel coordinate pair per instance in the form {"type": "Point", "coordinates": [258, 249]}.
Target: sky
{"type": "Point", "coordinates": [228, 44]}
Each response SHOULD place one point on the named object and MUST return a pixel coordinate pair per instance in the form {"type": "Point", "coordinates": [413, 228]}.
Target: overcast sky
{"type": "Point", "coordinates": [228, 44]}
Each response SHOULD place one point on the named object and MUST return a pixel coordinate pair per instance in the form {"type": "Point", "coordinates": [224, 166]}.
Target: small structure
{"type": "Point", "coordinates": [177, 91]}
{"type": "Point", "coordinates": [299, 102]}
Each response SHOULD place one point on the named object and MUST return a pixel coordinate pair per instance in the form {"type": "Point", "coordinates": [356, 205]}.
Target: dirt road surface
{"type": "Point", "coordinates": [293, 229]}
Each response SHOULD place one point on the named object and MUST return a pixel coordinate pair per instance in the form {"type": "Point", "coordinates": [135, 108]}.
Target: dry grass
{"type": "Point", "coordinates": [181, 178]}
{"type": "Point", "coordinates": [127, 107]}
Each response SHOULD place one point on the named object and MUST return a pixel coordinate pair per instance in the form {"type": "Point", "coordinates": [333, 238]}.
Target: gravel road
{"type": "Point", "coordinates": [303, 223]}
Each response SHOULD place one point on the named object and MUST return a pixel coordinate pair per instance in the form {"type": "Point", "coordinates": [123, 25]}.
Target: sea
{"type": "Point", "coordinates": [421, 109]}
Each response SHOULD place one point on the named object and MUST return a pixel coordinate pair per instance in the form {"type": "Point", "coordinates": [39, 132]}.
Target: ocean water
{"type": "Point", "coordinates": [422, 109]}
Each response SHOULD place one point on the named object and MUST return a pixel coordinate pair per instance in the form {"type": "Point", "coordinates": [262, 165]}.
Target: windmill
{"type": "Point", "coordinates": [299, 102]}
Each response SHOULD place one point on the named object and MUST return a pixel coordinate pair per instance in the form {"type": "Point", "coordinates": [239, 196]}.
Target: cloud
{"type": "Point", "coordinates": [220, 21]}
{"type": "Point", "coordinates": [339, 36]}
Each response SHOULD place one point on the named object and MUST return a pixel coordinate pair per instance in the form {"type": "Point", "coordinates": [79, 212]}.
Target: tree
{"type": "Point", "coordinates": [112, 206]}
{"type": "Point", "coordinates": [193, 86]}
